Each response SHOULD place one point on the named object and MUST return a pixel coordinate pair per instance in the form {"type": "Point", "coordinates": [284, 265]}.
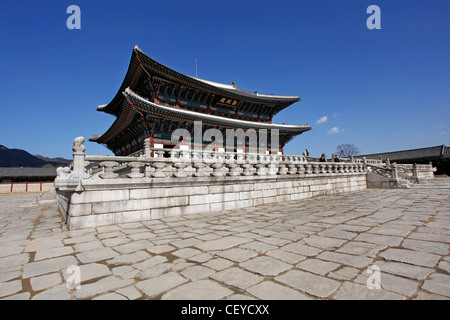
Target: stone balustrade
{"type": "Point", "coordinates": [395, 175]}
{"type": "Point", "coordinates": [185, 163]}
{"type": "Point", "coordinates": [181, 163]}
{"type": "Point", "coordinates": [364, 160]}
{"type": "Point", "coordinates": [158, 183]}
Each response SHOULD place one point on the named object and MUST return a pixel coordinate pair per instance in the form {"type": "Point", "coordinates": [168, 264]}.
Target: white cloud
{"type": "Point", "coordinates": [334, 130]}
{"type": "Point", "coordinates": [443, 133]}
{"type": "Point", "coordinates": [322, 120]}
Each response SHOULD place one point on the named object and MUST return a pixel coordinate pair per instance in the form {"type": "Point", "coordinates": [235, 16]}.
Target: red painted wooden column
{"type": "Point", "coordinates": [152, 145]}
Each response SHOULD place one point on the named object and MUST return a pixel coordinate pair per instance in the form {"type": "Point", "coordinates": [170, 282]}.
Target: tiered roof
{"type": "Point", "coordinates": [141, 64]}
{"type": "Point", "coordinates": [133, 101]}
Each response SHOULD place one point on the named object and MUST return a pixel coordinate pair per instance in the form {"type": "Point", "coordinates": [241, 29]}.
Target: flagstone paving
{"type": "Point", "coordinates": [318, 248]}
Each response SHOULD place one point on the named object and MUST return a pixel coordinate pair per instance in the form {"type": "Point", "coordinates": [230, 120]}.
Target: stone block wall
{"type": "Point", "coordinates": [112, 201]}
{"type": "Point", "coordinates": [375, 181]}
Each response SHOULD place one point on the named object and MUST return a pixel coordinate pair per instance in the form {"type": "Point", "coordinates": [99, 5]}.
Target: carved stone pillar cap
{"type": "Point", "coordinates": [135, 164]}
{"type": "Point", "coordinates": [108, 164]}
{"type": "Point", "coordinates": [77, 146]}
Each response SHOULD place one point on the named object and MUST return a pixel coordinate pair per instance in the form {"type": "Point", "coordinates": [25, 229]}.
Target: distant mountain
{"type": "Point", "coordinates": [60, 161]}
{"type": "Point", "coordinates": [21, 158]}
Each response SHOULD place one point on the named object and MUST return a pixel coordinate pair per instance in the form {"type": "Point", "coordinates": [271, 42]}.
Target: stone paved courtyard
{"type": "Point", "coordinates": [317, 248]}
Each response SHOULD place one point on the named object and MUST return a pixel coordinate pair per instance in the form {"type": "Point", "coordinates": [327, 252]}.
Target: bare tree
{"type": "Point", "coordinates": [347, 150]}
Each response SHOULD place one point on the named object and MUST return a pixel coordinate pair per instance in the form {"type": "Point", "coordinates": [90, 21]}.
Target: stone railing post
{"type": "Point", "coordinates": [147, 151]}
{"type": "Point", "coordinates": [78, 157]}
{"type": "Point", "coordinates": [322, 168]}
{"type": "Point", "coordinates": [147, 155]}
{"type": "Point", "coordinates": [158, 166]}
{"type": "Point", "coordinates": [247, 166]}
{"type": "Point", "coordinates": [263, 165]}
{"type": "Point", "coordinates": [292, 168]}
{"type": "Point", "coordinates": [273, 166]}
{"type": "Point", "coordinates": [301, 168]}
{"type": "Point", "coordinates": [240, 158]}
{"type": "Point", "coordinates": [394, 172]}
{"type": "Point", "coordinates": [197, 163]}
{"type": "Point", "coordinates": [350, 168]}
{"type": "Point", "coordinates": [108, 168]}
{"type": "Point", "coordinates": [199, 166]}
{"type": "Point", "coordinates": [232, 165]}
{"type": "Point", "coordinates": [316, 168]}
{"type": "Point", "coordinates": [365, 163]}
{"type": "Point", "coordinates": [329, 168]}
{"type": "Point", "coordinates": [180, 164]}
{"type": "Point", "coordinates": [135, 170]}
{"type": "Point", "coordinates": [415, 172]}
{"type": "Point", "coordinates": [217, 164]}
{"type": "Point", "coordinates": [282, 169]}
{"type": "Point", "coordinates": [261, 169]}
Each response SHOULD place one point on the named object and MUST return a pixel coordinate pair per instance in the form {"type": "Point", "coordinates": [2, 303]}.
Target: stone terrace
{"type": "Point", "coordinates": [316, 248]}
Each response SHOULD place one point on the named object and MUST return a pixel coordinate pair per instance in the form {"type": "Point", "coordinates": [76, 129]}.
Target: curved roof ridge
{"type": "Point", "coordinates": [234, 87]}
{"type": "Point", "coordinates": [214, 83]}
{"type": "Point", "coordinates": [228, 88]}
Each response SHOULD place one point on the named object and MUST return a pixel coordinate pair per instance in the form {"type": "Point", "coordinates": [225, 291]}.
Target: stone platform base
{"type": "Point", "coordinates": [112, 201]}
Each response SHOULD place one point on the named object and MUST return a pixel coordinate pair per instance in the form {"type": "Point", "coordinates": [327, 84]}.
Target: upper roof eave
{"type": "Point", "coordinates": [227, 90]}
{"type": "Point", "coordinates": [236, 90]}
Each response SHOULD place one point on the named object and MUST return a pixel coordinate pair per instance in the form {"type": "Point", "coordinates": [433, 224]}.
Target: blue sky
{"type": "Point", "coordinates": [381, 90]}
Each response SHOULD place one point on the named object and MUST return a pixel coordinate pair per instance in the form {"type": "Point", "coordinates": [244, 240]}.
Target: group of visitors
{"type": "Point", "coordinates": [323, 158]}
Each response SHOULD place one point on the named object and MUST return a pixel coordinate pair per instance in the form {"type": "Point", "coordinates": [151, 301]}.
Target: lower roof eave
{"type": "Point", "coordinates": [128, 93]}
{"type": "Point", "coordinates": [148, 106]}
